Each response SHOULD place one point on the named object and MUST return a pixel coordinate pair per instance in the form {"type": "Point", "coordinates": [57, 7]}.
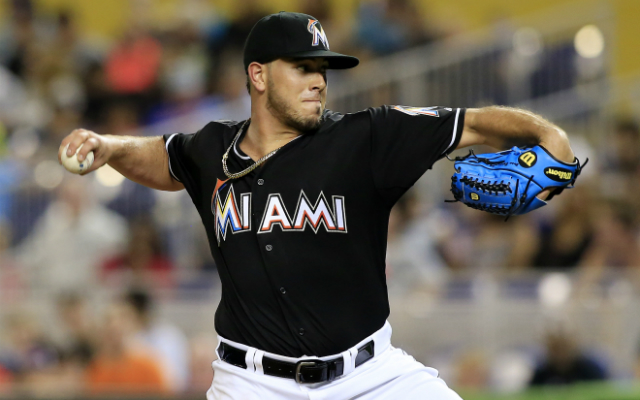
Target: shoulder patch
{"type": "Point", "coordinates": [430, 111]}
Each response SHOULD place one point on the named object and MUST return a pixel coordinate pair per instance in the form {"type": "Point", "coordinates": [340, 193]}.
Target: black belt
{"type": "Point", "coordinates": [304, 371]}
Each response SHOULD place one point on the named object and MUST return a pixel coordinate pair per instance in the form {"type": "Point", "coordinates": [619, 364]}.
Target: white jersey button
{"type": "Point", "coordinates": [268, 247]}
{"type": "Point", "coordinates": [260, 181]}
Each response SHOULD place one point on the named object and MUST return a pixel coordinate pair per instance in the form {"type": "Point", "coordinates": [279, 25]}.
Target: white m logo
{"type": "Point", "coordinates": [318, 34]}
{"type": "Point", "coordinates": [229, 215]}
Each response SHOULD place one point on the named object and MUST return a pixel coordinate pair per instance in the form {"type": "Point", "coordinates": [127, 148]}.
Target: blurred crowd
{"type": "Point", "coordinates": [591, 230]}
{"type": "Point", "coordinates": [125, 351]}
{"type": "Point", "coordinates": [62, 236]}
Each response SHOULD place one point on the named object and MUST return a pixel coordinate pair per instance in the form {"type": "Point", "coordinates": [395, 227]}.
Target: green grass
{"type": "Point", "coordinates": [586, 391]}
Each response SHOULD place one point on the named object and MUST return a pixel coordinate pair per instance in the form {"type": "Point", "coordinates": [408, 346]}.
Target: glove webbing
{"type": "Point", "coordinates": [490, 187]}
{"type": "Point", "coordinates": [500, 210]}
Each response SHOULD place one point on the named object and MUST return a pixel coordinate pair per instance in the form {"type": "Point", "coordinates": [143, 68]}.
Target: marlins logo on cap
{"type": "Point", "coordinates": [283, 35]}
{"type": "Point", "coordinates": [318, 34]}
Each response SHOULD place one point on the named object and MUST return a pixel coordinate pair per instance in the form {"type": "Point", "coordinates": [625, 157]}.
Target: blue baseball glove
{"type": "Point", "coordinates": [507, 183]}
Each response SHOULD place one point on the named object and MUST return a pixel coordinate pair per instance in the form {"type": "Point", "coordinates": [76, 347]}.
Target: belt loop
{"type": "Point", "coordinates": [354, 355]}
{"type": "Point", "coordinates": [218, 346]}
{"type": "Point", "coordinates": [257, 361]}
{"type": "Point", "coordinates": [349, 364]}
{"type": "Point", "coordinates": [248, 359]}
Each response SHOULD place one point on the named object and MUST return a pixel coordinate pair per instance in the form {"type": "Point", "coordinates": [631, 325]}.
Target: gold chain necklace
{"type": "Point", "coordinates": [250, 168]}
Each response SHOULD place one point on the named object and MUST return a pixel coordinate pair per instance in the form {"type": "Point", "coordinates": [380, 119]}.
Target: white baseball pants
{"type": "Point", "coordinates": [392, 374]}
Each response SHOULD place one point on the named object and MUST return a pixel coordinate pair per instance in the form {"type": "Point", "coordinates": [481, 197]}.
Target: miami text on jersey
{"type": "Point", "coordinates": [235, 215]}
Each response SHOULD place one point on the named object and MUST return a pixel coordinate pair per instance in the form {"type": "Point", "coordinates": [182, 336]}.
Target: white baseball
{"type": "Point", "coordinates": [73, 165]}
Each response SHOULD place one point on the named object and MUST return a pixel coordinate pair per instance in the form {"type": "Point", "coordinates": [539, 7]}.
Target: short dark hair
{"type": "Point", "coordinates": [248, 84]}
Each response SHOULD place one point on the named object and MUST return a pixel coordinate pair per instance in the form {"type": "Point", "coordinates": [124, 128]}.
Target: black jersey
{"type": "Point", "coordinates": [300, 242]}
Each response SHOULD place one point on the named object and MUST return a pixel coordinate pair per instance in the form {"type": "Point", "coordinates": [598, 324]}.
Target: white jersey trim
{"type": "Point", "coordinates": [235, 150]}
{"type": "Point", "coordinates": [166, 146]}
{"type": "Point", "coordinates": [455, 131]}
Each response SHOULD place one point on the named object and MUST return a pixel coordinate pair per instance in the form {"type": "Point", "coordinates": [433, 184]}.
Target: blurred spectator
{"type": "Point", "coordinates": [62, 122]}
{"type": "Point", "coordinates": [65, 61]}
{"type": "Point", "coordinates": [5, 381]}
{"type": "Point", "coordinates": [559, 242]}
{"type": "Point", "coordinates": [70, 241]}
{"type": "Point", "coordinates": [202, 354]}
{"type": "Point", "coordinates": [98, 94]}
{"type": "Point", "coordinates": [25, 348]}
{"type": "Point", "coordinates": [78, 344]}
{"type": "Point", "coordinates": [626, 144]}
{"type": "Point", "coordinates": [13, 97]}
{"type": "Point", "coordinates": [120, 117]}
{"type": "Point", "coordinates": [132, 68]}
{"type": "Point", "coordinates": [615, 249]}
{"type": "Point", "coordinates": [386, 26]}
{"type": "Point", "coordinates": [167, 341]}
{"type": "Point", "coordinates": [565, 363]}
{"type": "Point", "coordinates": [249, 12]}
{"type": "Point", "coordinates": [472, 371]}
{"type": "Point", "coordinates": [413, 262]}
{"type": "Point", "coordinates": [144, 262]}
{"type": "Point", "coordinates": [185, 65]}
{"type": "Point", "coordinates": [12, 277]}
{"type": "Point", "coordinates": [70, 48]}
{"type": "Point", "coordinates": [552, 74]}
{"type": "Point", "coordinates": [621, 162]}
{"type": "Point", "coordinates": [563, 244]}
{"type": "Point", "coordinates": [19, 35]}
{"type": "Point", "coordinates": [120, 366]}
{"type": "Point", "coordinates": [478, 242]}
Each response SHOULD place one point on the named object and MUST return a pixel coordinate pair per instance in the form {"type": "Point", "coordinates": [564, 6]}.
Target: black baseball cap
{"type": "Point", "coordinates": [291, 35]}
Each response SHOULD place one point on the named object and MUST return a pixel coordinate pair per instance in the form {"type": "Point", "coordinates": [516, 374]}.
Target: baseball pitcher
{"type": "Point", "coordinates": [296, 202]}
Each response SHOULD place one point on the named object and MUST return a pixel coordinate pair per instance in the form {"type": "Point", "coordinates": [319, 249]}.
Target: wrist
{"type": "Point", "coordinates": [114, 147]}
{"type": "Point", "coordinates": [557, 143]}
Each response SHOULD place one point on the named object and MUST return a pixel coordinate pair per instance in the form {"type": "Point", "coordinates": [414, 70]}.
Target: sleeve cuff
{"type": "Point", "coordinates": [456, 135]}
{"type": "Point", "coordinates": [166, 146]}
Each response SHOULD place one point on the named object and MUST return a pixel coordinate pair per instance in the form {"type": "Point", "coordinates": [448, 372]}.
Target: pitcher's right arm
{"type": "Point", "coordinates": [143, 160]}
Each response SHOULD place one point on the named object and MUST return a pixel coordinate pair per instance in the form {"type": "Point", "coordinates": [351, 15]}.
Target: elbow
{"type": "Point", "coordinates": [471, 135]}
{"type": "Point", "coordinates": [171, 185]}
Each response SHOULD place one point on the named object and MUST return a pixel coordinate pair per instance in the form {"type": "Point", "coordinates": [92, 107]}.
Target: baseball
{"type": "Point", "coordinates": [73, 165]}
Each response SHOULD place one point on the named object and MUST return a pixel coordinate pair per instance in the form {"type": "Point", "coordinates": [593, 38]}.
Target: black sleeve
{"type": "Point", "coordinates": [406, 141]}
{"type": "Point", "coordinates": [183, 167]}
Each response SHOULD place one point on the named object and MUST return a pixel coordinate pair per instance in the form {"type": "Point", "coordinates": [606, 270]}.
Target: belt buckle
{"type": "Point", "coordinates": [301, 364]}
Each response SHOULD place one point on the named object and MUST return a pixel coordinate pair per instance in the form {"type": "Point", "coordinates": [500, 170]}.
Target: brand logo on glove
{"type": "Point", "coordinates": [528, 159]}
{"type": "Point", "coordinates": [558, 174]}
{"type": "Point", "coordinates": [474, 196]}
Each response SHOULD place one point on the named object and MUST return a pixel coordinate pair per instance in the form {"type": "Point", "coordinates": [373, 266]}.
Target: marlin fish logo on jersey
{"type": "Point", "coordinates": [430, 111]}
{"type": "Point", "coordinates": [235, 216]}
{"type": "Point", "coordinates": [229, 215]}
{"type": "Point", "coordinates": [315, 29]}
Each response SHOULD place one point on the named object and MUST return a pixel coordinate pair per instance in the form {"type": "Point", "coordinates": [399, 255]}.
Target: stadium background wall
{"type": "Point", "coordinates": [108, 17]}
